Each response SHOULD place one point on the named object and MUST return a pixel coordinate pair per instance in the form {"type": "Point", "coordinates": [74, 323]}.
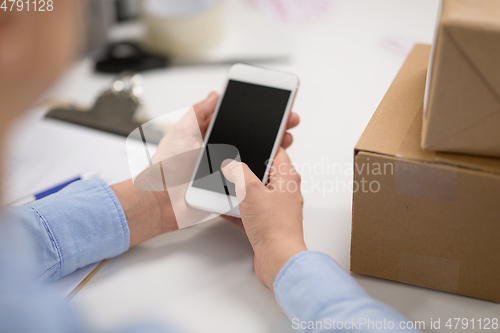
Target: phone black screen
{"type": "Point", "coordinates": [249, 118]}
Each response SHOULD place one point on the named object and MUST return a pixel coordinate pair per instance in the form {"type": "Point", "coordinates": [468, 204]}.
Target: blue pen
{"type": "Point", "coordinates": [33, 197]}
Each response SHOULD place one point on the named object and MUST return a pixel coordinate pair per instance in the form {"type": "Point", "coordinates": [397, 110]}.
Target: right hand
{"type": "Point", "coordinates": [271, 214]}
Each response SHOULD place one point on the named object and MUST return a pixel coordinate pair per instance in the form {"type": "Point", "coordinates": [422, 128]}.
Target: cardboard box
{"type": "Point", "coordinates": [462, 108]}
{"type": "Point", "coordinates": [420, 217]}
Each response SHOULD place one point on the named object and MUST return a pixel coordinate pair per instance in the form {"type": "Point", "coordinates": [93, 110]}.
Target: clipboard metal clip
{"type": "Point", "coordinates": [117, 110]}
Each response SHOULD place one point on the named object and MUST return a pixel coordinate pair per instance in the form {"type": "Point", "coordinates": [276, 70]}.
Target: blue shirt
{"type": "Point", "coordinates": [84, 223]}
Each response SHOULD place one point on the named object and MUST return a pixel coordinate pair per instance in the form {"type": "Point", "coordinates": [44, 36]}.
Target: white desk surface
{"type": "Point", "coordinates": [201, 279]}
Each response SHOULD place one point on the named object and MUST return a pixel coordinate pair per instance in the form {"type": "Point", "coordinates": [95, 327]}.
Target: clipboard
{"type": "Point", "coordinates": [117, 110]}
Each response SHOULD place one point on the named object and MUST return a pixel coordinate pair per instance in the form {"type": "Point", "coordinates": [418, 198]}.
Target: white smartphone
{"type": "Point", "coordinates": [250, 118]}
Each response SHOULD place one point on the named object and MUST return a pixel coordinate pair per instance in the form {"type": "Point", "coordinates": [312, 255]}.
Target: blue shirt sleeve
{"type": "Point", "coordinates": [317, 295]}
{"type": "Point", "coordinates": [79, 225]}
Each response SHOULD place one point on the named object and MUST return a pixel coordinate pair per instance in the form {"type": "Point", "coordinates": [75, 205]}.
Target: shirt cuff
{"type": "Point", "coordinates": [310, 281]}
{"type": "Point", "coordinates": [85, 224]}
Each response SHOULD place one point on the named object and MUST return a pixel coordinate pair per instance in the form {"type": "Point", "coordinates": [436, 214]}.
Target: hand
{"type": "Point", "coordinates": [150, 211]}
{"type": "Point", "coordinates": [271, 214]}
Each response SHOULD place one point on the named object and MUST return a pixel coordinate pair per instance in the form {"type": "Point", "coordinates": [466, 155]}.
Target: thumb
{"type": "Point", "coordinates": [243, 178]}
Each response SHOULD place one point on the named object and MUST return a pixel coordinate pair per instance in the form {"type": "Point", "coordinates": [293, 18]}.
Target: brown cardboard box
{"type": "Point", "coordinates": [420, 217]}
{"type": "Point", "coordinates": [463, 94]}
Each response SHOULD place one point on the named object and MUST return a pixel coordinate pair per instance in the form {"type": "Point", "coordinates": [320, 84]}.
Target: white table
{"type": "Point", "coordinates": [201, 279]}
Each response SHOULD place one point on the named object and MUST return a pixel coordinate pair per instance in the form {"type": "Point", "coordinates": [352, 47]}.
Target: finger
{"type": "Point", "coordinates": [282, 157]}
{"type": "Point", "coordinates": [242, 177]}
{"type": "Point", "coordinates": [282, 166]}
{"type": "Point", "coordinates": [287, 140]}
{"type": "Point", "coordinates": [293, 120]}
{"type": "Point", "coordinates": [205, 108]}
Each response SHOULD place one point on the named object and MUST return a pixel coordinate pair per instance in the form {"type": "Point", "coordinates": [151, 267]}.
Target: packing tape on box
{"type": "Point", "coordinates": [430, 272]}
{"type": "Point", "coordinates": [419, 178]}
{"type": "Point", "coordinates": [425, 181]}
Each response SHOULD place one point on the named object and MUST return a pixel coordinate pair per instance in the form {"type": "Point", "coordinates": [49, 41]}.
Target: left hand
{"type": "Point", "coordinates": [151, 213]}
